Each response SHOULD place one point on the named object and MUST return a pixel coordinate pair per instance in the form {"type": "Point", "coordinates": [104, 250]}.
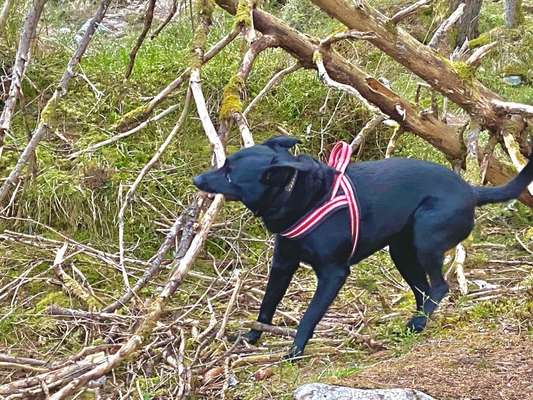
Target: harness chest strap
{"type": "Point", "coordinates": [338, 159]}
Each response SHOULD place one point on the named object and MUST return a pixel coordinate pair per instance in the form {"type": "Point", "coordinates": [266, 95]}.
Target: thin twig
{"type": "Point", "coordinates": [276, 79]}
{"type": "Point", "coordinates": [410, 10]}
{"type": "Point", "coordinates": [149, 165]}
{"type": "Point", "coordinates": [148, 18]}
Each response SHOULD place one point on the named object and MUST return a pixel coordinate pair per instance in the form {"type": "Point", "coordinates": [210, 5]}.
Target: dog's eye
{"type": "Point", "coordinates": [228, 177]}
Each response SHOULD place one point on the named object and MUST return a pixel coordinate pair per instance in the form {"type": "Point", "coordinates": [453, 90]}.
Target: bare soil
{"type": "Point", "coordinates": [489, 365]}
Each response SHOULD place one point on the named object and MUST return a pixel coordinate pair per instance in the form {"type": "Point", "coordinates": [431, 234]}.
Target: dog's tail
{"type": "Point", "coordinates": [509, 191]}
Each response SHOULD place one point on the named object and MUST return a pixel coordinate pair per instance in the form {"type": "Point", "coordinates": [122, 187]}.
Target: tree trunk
{"type": "Point", "coordinates": [467, 27]}
{"type": "Point", "coordinates": [513, 13]}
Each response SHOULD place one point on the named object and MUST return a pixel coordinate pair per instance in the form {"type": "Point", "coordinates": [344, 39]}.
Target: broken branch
{"type": "Point", "coordinates": [410, 10]}
{"type": "Point", "coordinates": [148, 18]}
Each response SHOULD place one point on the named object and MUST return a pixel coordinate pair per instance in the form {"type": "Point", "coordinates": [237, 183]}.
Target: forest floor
{"type": "Point", "coordinates": [478, 346]}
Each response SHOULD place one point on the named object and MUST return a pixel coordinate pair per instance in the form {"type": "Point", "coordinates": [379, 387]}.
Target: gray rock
{"type": "Point", "coordinates": [513, 80]}
{"type": "Point", "coordinates": [320, 391]}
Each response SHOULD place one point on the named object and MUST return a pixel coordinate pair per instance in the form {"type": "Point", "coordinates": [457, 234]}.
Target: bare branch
{"type": "Point", "coordinates": [170, 15]}
{"type": "Point", "coordinates": [475, 59]}
{"type": "Point", "coordinates": [276, 79]}
{"type": "Point", "coordinates": [60, 91]}
{"type": "Point", "coordinates": [441, 32]}
{"type": "Point", "coordinates": [244, 129]}
{"type": "Point", "coordinates": [324, 77]}
{"type": "Point", "coordinates": [391, 146]}
{"type": "Point", "coordinates": [369, 126]}
{"type": "Point", "coordinates": [123, 135]}
{"type": "Point", "coordinates": [148, 18]}
{"type": "Point", "coordinates": [350, 34]}
{"type": "Point", "coordinates": [148, 167]}
{"type": "Point", "coordinates": [4, 14]}
{"type": "Point", "coordinates": [209, 129]}
{"type": "Point", "coordinates": [407, 11]}
{"type": "Point", "coordinates": [513, 108]}
{"type": "Point", "coordinates": [19, 68]}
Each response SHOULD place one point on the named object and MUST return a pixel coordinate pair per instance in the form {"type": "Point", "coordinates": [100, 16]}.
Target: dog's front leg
{"type": "Point", "coordinates": [284, 264]}
{"type": "Point", "coordinates": [330, 280]}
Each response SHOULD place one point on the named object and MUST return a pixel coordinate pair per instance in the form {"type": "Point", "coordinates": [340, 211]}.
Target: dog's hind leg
{"type": "Point", "coordinates": [403, 253]}
{"type": "Point", "coordinates": [437, 228]}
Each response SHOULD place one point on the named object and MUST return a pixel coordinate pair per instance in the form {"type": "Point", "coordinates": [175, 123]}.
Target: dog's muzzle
{"type": "Point", "coordinates": [198, 181]}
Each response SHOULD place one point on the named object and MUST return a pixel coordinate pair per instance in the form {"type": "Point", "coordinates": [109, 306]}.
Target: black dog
{"type": "Point", "coordinates": [417, 208]}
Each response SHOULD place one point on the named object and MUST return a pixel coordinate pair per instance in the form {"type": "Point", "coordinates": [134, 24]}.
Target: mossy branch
{"type": "Point", "coordinates": [60, 91]}
{"type": "Point", "coordinates": [231, 97]}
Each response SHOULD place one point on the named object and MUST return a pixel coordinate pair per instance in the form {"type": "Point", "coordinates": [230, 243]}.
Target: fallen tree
{"type": "Point", "coordinates": [410, 117]}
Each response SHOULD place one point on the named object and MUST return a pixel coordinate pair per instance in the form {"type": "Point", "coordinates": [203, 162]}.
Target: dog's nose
{"type": "Point", "coordinates": [198, 180]}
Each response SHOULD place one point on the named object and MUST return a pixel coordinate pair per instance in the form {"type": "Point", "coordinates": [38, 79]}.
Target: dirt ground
{"type": "Point", "coordinates": [490, 365]}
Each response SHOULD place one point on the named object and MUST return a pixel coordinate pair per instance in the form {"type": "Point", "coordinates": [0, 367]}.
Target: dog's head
{"type": "Point", "coordinates": [249, 174]}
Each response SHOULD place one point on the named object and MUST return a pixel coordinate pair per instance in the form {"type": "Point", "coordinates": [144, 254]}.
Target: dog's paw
{"type": "Point", "coordinates": [252, 336]}
{"type": "Point", "coordinates": [417, 323]}
{"type": "Point", "coordinates": [294, 354]}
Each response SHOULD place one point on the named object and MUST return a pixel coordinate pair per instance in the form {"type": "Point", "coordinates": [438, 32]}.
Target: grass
{"type": "Point", "coordinates": [79, 197]}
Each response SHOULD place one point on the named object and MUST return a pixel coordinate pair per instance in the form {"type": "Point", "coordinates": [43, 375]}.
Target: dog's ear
{"type": "Point", "coordinates": [280, 173]}
{"type": "Point", "coordinates": [281, 142]}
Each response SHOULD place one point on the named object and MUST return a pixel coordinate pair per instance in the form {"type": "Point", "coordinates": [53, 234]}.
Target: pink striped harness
{"type": "Point", "coordinates": [338, 159]}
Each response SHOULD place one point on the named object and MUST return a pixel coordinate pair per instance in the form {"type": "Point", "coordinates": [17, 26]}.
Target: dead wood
{"type": "Point", "coordinates": [48, 111]}
{"type": "Point", "coordinates": [148, 18]}
{"type": "Point", "coordinates": [469, 94]}
{"type": "Point", "coordinates": [4, 14]}
{"type": "Point", "coordinates": [410, 10]}
{"type": "Point", "coordinates": [19, 68]}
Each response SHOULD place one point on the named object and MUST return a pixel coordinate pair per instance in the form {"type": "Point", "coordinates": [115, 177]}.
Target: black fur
{"type": "Point", "coordinates": [419, 209]}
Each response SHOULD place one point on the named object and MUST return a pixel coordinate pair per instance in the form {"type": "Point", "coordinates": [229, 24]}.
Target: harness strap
{"type": "Point", "coordinates": [338, 159]}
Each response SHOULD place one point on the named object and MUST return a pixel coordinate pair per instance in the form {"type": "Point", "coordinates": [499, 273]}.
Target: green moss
{"type": "Point", "coordinates": [205, 11]}
{"type": "Point", "coordinates": [56, 298]}
{"type": "Point", "coordinates": [481, 40]}
{"type": "Point", "coordinates": [131, 118]}
{"type": "Point", "coordinates": [317, 56]}
{"type": "Point", "coordinates": [243, 14]}
{"type": "Point", "coordinates": [231, 98]}
{"type": "Point", "coordinates": [465, 71]}
{"type": "Point", "coordinates": [49, 111]}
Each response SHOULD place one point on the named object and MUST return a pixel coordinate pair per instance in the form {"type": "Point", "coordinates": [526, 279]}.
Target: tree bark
{"type": "Point", "coordinates": [4, 14]}
{"type": "Point", "coordinates": [513, 13]}
{"type": "Point", "coordinates": [467, 26]}
{"type": "Point", "coordinates": [21, 61]}
{"type": "Point", "coordinates": [453, 79]}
